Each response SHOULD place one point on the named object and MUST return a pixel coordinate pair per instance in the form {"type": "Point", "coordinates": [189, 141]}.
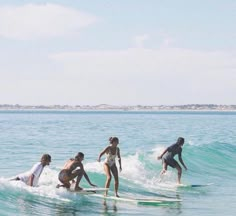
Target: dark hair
{"type": "Point", "coordinates": [80, 154]}
{"type": "Point", "coordinates": [113, 139]}
{"type": "Point", "coordinates": [46, 157]}
{"type": "Point", "coordinates": [180, 140]}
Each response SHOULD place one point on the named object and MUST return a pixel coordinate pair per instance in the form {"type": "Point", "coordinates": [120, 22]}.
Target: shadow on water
{"type": "Point", "coordinates": [117, 208]}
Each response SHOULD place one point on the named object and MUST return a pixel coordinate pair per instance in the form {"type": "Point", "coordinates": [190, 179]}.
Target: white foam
{"type": "Point", "coordinates": [96, 167]}
{"type": "Point", "coordinates": [158, 150]}
{"type": "Point", "coordinates": [133, 169]}
{"type": "Point", "coordinates": [47, 186]}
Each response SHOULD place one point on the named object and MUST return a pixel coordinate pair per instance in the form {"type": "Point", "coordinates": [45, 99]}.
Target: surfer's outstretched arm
{"type": "Point", "coordinates": [102, 153]}
{"type": "Point", "coordinates": [160, 156]}
{"type": "Point", "coordinates": [88, 180]}
{"type": "Point", "coordinates": [182, 162]}
{"type": "Point", "coordinates": [31, 180]}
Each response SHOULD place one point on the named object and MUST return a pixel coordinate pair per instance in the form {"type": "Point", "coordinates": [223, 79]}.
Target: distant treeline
{"type": "Point", "coordinates": [125, 107]}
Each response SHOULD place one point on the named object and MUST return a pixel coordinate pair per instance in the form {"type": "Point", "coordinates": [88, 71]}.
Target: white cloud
{"type": "Point", "coordinates": [167, 39]}
{"type": "Point", "coordinates": [33, 21]}
{"type": "Point", "coordinates": [131, 76]}
{"type": "Point", "coordinates": [167, 42]}
{"type": "Point", "coordinates": [140, 39]}
{"type": "Point", "coordinates": [162, 76]}
{"type": "Point", "coordinates": [139, 61]}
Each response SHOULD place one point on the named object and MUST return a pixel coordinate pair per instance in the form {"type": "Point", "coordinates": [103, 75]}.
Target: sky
{"type": "Point", "coordinates": [117, 52]}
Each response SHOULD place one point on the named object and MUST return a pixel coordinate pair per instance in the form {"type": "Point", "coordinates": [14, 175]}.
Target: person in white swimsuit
{"type": "Point", "coordinates": [31, 177]}
{"type": "Point", "coordinates": [111, 151]}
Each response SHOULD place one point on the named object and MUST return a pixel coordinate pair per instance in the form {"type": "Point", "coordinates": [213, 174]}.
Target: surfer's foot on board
{"type": "Point", "coordinates": [58, 186]}
{"type": "Point", "coordinates": [78, 188]}
{"type": "Point", "coordinates": [105, 194]}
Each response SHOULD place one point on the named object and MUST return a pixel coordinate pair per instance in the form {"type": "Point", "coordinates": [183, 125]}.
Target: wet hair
{"type": "Point", "coordinates": [113, 139]}
{"type": "Point", "coordinates": [79, 155]}
{"type": "Point", "coordinates": [180, 140]}
{"type": "Point", "coordinates": [46, 157]}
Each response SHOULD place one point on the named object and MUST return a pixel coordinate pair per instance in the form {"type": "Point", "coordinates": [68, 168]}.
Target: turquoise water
{"type": "Point", "coordinates": [209, 153]}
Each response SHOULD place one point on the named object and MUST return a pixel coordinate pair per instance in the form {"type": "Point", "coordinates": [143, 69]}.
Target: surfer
{"type": "Point", "coordinates": [31, 177]}
{"type": "Point", "coordinates": [167, 157]}
{"type": "Point", "coordinates": [111, 152]}
{"type": "Point", "coordinates": [73, 168]}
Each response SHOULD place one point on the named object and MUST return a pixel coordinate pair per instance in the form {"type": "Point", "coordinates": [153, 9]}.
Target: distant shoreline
{"type": "Point", "coordinates": [106, 107]}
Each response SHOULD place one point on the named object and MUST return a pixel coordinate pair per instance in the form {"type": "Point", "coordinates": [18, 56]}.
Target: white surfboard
{"type": "Point", "coordinates": [138, 200]}
{"type": "Point", "coordinates": [87, 191]}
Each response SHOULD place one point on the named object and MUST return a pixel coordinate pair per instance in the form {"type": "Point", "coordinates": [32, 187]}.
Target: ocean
{"type": "Point", "coordinates": [209, 153]}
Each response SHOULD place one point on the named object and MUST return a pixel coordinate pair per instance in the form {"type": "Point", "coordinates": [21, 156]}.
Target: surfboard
{"type": "Point", "coordinates": [194, 185]}
{"type": "Point", "coordinates": [143, 200]}
{"type": "Point", "coordinates": [87, 191]}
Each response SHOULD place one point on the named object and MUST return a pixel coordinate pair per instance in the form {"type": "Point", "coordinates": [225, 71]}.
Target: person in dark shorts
{"type": "Point", "coordinates": [72, 169]}
{"type": "Point", "coordinates": [168, 155]}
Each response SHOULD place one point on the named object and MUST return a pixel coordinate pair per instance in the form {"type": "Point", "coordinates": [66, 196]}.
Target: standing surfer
{"type": "Point", "coordinates": [167, 157]}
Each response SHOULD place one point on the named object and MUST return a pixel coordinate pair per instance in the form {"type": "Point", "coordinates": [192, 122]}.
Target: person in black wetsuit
{"type": "Point", "coordinates": [167, 157]}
